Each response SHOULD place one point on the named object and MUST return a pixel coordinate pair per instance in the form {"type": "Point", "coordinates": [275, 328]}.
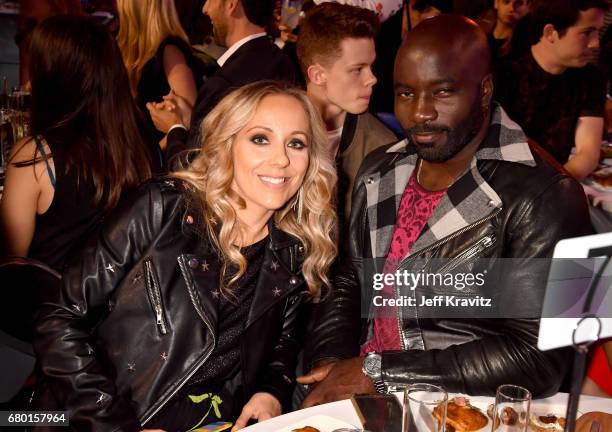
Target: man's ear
{"type": "Point", "coordinates": [316, 74]}
{"type": "Point", "coordinates": [550, 34]}
{"type": "Point", "coordinates": [486, 91]}
{"type": "Point", "coordinates": [232, 6]}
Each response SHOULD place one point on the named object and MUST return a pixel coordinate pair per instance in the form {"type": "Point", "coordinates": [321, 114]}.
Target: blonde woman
{"type": "Point", "coordinates": [156, 53]}
{"type": "Point", "coordinates": [194, 287]}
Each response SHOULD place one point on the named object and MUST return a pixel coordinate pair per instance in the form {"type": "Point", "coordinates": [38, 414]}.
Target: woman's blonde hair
{"type": "Point", "coordinates": [211, 174]}
{"type": "Point", "coordinates": [143, 26]}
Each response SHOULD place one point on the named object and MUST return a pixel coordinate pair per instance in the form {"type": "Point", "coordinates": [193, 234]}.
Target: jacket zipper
{"type": "Point", "coordinates": [198, 365]}
{"type": "Point", "coordinates": [154, 292]}
{"type": "Point", "coordinates": [466, 255]}
{"type": "Point", "coordinates": [364, 228]}
{"type": "Point", "coordinates": [427, 249]}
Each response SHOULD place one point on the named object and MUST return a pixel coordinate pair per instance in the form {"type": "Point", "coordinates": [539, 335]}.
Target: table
{"type": "Point", "coordinates": [345, 412]}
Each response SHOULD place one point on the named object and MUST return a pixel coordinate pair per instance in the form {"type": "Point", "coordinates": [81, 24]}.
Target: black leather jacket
{"type": "Point", "coordinates": [136, 316]}
{"type": "Point", "coordinates": [539, 206]}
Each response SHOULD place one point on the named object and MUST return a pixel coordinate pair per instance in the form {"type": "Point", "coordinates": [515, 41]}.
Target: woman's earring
{"type": "Point", "coordinates": [299, 202]}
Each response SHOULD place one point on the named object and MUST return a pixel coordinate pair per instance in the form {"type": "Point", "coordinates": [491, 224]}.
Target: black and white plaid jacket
{"type": "Point", "coordinates": [510, 203]}
{"type": "Point", "coordinates": [468, 201]}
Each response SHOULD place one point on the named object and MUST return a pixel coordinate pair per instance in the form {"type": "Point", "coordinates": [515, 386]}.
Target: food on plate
{"type": "Point", "coordinates": [461, 416]}
{"type": "Point", "coordinates": [509, 416]}
{"type": "Point", "coordinates": [306, 429]}
{"type": "Point", "coordinates": [603, 177]}
{"type": "Point", "coordinates": [546, 423]}
{"type": "Point", "coordinates": [585, 422]}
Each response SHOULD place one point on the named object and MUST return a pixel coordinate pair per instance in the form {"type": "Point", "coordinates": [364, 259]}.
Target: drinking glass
{"type": "Point", "coordinates": [6, 139]}
{"type": "Point", "coordinates": [290, 13]}
{"type": "Point", "coordinates": [511, 410]}
{"type": "Point", "coordinates": [19, 102]}
{"type": "Point", "coordinates": [424, 408]}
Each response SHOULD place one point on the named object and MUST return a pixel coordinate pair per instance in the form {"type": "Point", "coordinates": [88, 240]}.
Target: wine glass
{"type": "Point", "coordinates": [290, 13]}
{"type": "Point", "coordinates": [424, 408]}
{"type": "Point", "coordinates": [511, 410]}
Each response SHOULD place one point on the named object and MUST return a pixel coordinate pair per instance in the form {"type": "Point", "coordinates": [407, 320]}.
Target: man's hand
{"type": "Point", "coordinates": [317, 374]}
{"type": "Point", "coordinates": [163, 117]}
{"type": "Point", "coordinates": [262, 406]}
{"type": "Point", "coordinates": [173, 110]}
{"type": "Point", "coordinates": [337, 381]}
{"type": "Point", "coordinates": [180, 105]}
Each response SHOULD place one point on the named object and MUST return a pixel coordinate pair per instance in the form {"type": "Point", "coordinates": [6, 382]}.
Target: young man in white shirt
{"type": "Point", "coordinates": [335, 49]}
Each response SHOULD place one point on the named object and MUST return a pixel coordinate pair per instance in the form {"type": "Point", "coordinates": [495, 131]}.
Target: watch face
{"type": "Point", "coordinates": [371, 365]}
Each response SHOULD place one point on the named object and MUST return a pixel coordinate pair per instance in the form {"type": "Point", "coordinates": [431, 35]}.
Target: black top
{"type": "Point", "coordinates": [220, 376]}
{"type": "Point", "coordinates": [153, 84]}
{"type": "Point", "coordinates": [548, 106]}
{"type": "Point", "coordinates": [495, 45]}
{"type": "Point", "coordinates": [71, 216]}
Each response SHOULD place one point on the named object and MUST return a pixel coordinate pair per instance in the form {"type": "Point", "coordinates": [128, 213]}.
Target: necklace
{"type": "Point", "coordinates": [418, 173]}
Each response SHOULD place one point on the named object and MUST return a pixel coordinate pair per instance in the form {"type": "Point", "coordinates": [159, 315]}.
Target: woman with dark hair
{"type": "Point", "coordinates": [85, 148]}
{"type": "Point", "coordinates": [184, 309]}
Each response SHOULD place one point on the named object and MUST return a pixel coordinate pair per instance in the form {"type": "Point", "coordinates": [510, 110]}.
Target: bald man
{"type": "Point", "coordinates": [462, 191]}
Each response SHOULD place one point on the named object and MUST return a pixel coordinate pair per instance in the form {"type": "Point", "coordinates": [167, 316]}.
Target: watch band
{"type": "Point", "coordinates": [372, 369]}
{"type": "Point", "coordinates": [380, 387]}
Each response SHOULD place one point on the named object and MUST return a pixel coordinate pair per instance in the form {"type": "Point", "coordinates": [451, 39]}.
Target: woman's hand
{"type": "Point", "coordinates": [261, 406]}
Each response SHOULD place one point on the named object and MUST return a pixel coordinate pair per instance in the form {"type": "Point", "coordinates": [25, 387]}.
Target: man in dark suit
{"type": "Point", "coordinates": [251, 56]}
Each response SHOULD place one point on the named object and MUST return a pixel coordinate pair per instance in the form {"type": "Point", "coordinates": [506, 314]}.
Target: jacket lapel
{"type": "Point", "coordinates": [277, 277]}
{"type": "Point", "coordinates": [467, 201]}
{"type": "Point", "coordinates": [275, 283]}
{"type": "Point", "coordinates": [471, 198]}
{"type": "Point", "coordinates": [384, 190]}
{"type": "Point", "coordinates": [201, 275]}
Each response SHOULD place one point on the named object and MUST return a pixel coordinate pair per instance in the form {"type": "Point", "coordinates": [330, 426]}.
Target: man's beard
{"type": "Point", "coordinates": [456, 138]}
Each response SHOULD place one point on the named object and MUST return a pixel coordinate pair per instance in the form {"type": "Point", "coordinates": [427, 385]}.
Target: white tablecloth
{"type": "Point", "coordinates": [344, 411]}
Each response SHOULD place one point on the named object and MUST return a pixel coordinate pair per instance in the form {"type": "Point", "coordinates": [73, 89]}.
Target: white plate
{"type": "Point", "coordinates": [322, 422]}
{"type": "Point", "coordinates": [340, 411]}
